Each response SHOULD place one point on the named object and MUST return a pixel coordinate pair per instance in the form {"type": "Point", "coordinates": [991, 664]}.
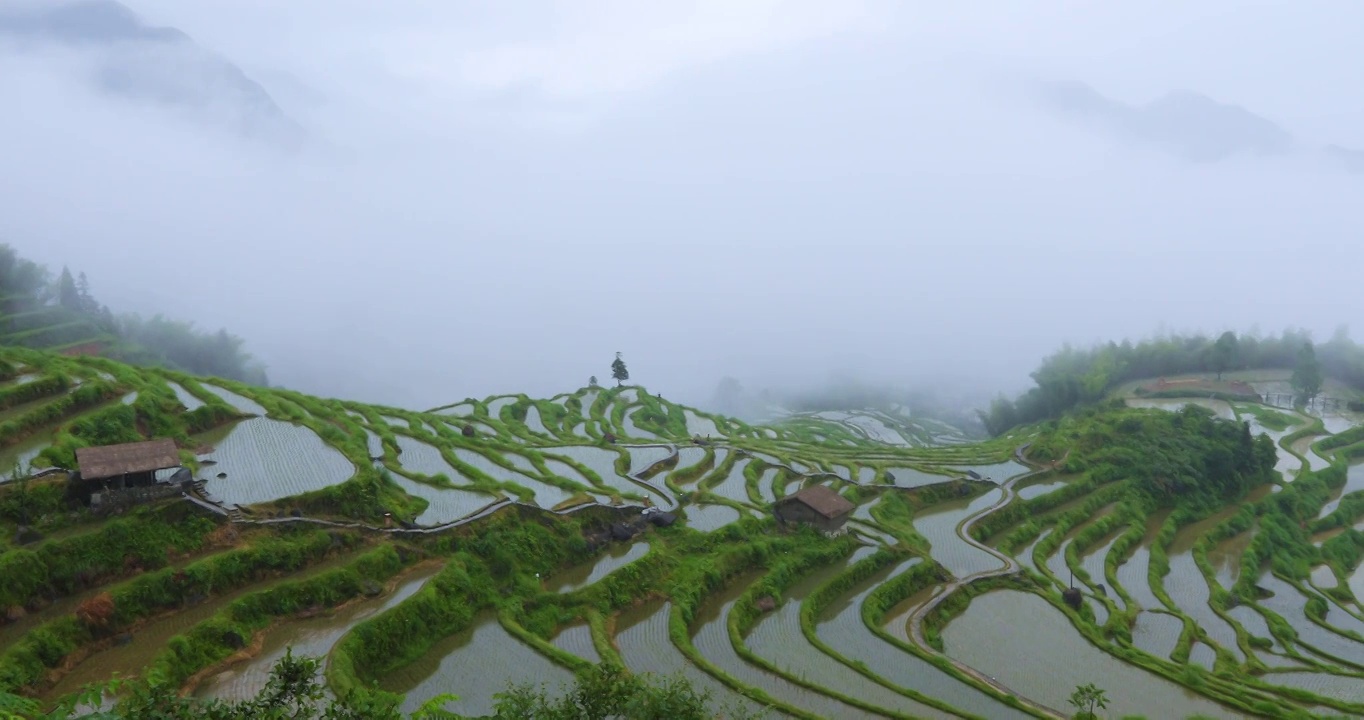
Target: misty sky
{"type": "Point", "coordinates": [496, 197]}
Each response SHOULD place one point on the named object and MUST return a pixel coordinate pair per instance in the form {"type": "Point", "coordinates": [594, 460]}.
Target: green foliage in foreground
{"type": "Point", "coordinates": [295, 692]}
{"type": "Point", "coordinates": [1087, 699]}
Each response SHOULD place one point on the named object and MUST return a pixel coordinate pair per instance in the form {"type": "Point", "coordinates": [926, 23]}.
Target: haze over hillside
{"type": "Point", "coordinates": [500, 197]}
{"type": "Point", "coordinates": [107, 45]}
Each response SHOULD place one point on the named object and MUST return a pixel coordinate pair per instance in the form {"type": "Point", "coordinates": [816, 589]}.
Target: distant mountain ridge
{"type": "Point", "coordinates": [142, 62]}
{"type": "Point", "coordinates": [1186, 124]}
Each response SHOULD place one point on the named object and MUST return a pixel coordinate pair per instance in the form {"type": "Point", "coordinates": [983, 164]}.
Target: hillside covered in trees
{"type": "Point", "coordinates": [58, 312]}
{"type": "Point", "coordinates": [1072, 377]}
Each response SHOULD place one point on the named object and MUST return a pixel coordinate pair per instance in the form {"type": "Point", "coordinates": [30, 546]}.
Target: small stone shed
{"type": "Point", "coordinates": [128, 465]}
{"type": "Point", "coordinates": [816, 505]}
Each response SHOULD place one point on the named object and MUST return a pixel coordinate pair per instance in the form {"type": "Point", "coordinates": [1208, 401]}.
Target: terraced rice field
{"type": "Point", "coordinates": [642, 638]}
{"type": "Point", "coordinates": [587, 573]}
{"type": "Point", "coordinates": [710, 517]}
{"type": "Point", "coordinates": [188, 400]}
{"type": "Point", "coordinates": [312, 636]}
{"type": "Point", "coordinates": [243, 404]}
{"type": "Point", "coordinates": [445, 504]}
{"type": "Point", "coordinates": [263, 460]}
{"type": "Point", "coordinates": [963, 617]}
{"type": "Point", "coordinates": [1002, 627]}
{"type": "Point", "coordinates": [479, 661]}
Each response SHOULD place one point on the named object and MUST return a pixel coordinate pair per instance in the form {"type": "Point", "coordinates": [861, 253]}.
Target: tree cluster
{"type": "Point", "coordinates": [27, 289]}
{"type": "Point", "coordinates": [1072, 377]}
{"type": "Point", "coordinates": [1186, 457]}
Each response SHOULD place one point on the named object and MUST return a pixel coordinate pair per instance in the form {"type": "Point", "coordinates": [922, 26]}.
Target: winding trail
{"type": "Point", "coordinates": [1009, 566]}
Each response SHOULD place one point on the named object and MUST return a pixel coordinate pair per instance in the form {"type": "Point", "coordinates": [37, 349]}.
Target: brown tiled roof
{"type": "Point", "coordinates": [822, 500]}
{"type": "Point", "coordinates": [115, 460]}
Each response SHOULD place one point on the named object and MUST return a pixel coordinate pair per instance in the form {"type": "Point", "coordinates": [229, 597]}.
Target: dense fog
{"type": "Point", "coordinates": [414, 202]}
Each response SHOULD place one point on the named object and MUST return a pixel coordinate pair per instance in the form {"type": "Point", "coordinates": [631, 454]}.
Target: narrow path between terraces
{"type": "Point", "coordinates": [1008, 567]}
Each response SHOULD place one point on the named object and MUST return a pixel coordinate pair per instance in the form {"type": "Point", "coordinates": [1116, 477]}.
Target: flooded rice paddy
{"type": "Point", "coordinates": [939, 526]}
{"type": "Point", "coordinates": [1006, 634]}
{"type": "Point", "coordinates": [311, 637]}
{"type": "Point", "coordinates": [241, 403]}
{"type": "Point", "coordinates": [445, 504]}
{"type": "Point", "coordinates": [475, 664]}
{"type": "Point", "coordinates": [706, 517]}
{"type": "Point", "coordinates": [262, 460]}
{"type": "Point", "coordinates": [645, 646]}
{"type": "Point", "coordinates": [584, 574]}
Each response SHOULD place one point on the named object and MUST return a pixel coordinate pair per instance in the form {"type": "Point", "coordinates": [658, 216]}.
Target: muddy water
{"type": "Point", "coordinates": [1354, 482]}
{"type": "Point", "coordinates": [1157, 633]}
{"type": "Point", "coordinates": [1225, 557]}
{"type": "Point", "coordinates": [475, 665]}
{"type": "Point", "coordinates": [778, 639]}
{"type": "Point", "coordinates": [1031, 647]}
{"type": "Point", "coordinates": [586, 573]}
{"type": "Point", "coordinates": [644, 645]}
{"type": "Point", "coordinates": [939, 525]}
{"type": "Point", "coordinates": [710, 635]}
{"type": "Point", "coordinates": [312, 637]}
{"type": "Point", "coordinates": [150, 639]}
{"type": "Point", "coordinates": [1304, 447]}
{"type": "Point", "coordinates": [842, 628]}
{"type": "Point", "coordinates": [24, 452]}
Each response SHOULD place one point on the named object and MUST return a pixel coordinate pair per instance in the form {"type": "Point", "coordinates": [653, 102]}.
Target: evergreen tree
{"type": "Point", "coordinates": [618, 371]}
{"type": "Point", "coordinates": [68, 295]}
{"type": "Point", "coordinates": [89, 305]}
{"type": "Point", "coordinates": [1307, 377]}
